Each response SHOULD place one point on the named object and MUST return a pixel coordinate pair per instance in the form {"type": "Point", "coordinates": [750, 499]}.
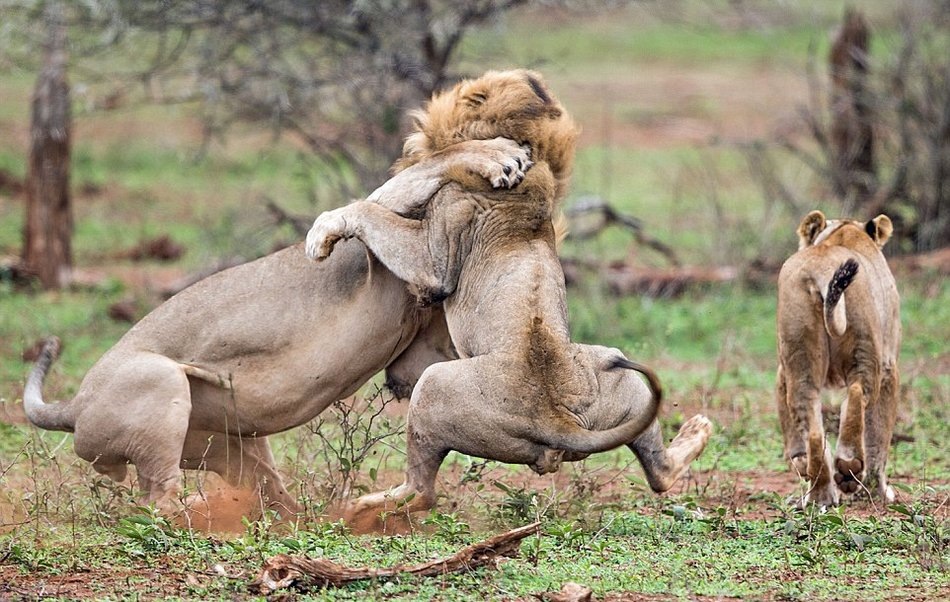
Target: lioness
{"type": "Point", "coordinates": [838, 325]}
{"type": "Point", "coordinates": [522, 392]}
{"type": "Point", "coordinates": [257, 349]}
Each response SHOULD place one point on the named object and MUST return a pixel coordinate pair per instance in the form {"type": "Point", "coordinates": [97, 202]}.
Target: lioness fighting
{"type": "Point", "coordinates": [839, 326]}
{"type": "Point", "coordinates": [523, 392]}
{"type": "Point", "coordinates": [254, 350]}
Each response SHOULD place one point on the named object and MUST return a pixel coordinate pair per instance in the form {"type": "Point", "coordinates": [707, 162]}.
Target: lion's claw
{"type": "Point", "coordinates": [506, 164]}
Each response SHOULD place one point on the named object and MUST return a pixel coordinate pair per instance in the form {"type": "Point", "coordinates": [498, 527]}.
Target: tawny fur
{"type": "Point", "coordinates": [522, 392]}
{"type": "Point", "coordinates": [203, 379]}
{"type": "Point", "coordinates": [839, 326]}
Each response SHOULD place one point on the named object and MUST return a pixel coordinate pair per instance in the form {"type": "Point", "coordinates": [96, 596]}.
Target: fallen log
{"type": "Point", "coordinates": [664, 283]}
{"type": "Point", "coordinates": [283, 571]}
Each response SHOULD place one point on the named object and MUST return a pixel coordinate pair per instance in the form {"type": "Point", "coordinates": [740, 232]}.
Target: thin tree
{"type": "Point", "coordinates": [852, 137]}
{"type": "Point", "coordinates": [48, 228]}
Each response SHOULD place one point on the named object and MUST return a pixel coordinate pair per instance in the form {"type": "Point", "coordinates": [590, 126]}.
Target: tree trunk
{"type": "Point", "coordinates": [48, 229]}
{"type": "Point", "coordinates": [852, 138]}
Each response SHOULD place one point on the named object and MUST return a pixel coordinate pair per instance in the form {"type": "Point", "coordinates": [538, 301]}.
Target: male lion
{"type": "Point", "coordinates": [522, 392]}
{"type": "Point", "coordinates": [838, 325]}
{"type": "Point", "coordinates": [257, 349]}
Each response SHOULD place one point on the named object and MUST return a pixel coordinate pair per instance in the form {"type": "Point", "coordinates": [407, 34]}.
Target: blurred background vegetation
{"type": "Point", "coordinates": [201, 130]}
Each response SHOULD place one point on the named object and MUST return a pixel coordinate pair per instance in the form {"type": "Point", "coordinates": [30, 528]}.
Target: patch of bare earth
{"type": "Point", "coordinates": [91, 583]}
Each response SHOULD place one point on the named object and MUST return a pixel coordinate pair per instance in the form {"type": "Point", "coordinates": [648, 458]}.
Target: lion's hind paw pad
{"type": "Point", "coordinates": [848, 474]}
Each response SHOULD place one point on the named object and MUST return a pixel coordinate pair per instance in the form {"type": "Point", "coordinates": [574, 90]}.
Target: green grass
{"type": "Point", "coordinates": [671, 549]}
{"type": "Point", "coordinates": [603, 45]}
{"type": "Point", "coordinates": [727, 531]}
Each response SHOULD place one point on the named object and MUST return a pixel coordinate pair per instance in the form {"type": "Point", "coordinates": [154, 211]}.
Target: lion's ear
{"type": "Point", "coordinates": [813, 223]}
{"type": "Point", "coordinates": [538, 88]}
{"type": "Point", "coordinates": [879, 229]}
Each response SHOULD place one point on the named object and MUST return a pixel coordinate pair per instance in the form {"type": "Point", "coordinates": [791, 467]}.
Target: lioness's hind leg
{"type": "Point", "coordinates": [804, 406]}
{"type": "Point", "coordinates": [141, 416]}
{"type": "Point", "coordinates": [794, 430]}
{"type": "Point", "coordinates": [881, 416]}
{"type": "Point", "coordinates": [157, 455]}
{"type": "Point", "coordinates": [822, 491]}
{"type": "Point", "coordinates": [662, 465]}
{"type": "Point", "coordinates": [849, 457]}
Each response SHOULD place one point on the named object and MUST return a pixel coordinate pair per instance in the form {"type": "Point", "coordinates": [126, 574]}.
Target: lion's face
{"type": "Point", "coordinates": [512, 104]}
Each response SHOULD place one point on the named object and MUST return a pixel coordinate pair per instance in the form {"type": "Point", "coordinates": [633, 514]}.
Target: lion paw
{"type": "Point", "coordinates": [362, 519]}
{"type": "Point", "coordinates": [378, 515]}
{"type": "Point", "coordinates": [698, 427]}
{"type": "Point", "coordinates": [691, 439]}
{"type": "Point", "coordinates": [799, 464]}
{"type": "Point", "coordinates": [823, 497]}
{"type": "Point", "coordinates": [848, 474]}
{"type": "Point", "coordinates": [505, 164]}
{"type": "Point", "coordinates": [548, 461]}
{"type": "Point", "coordinates": [328, 229]}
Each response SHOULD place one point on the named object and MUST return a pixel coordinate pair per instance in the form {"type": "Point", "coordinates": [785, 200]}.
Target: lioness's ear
{"type": "Point", "coordinates": [879, 229]}
{"type": "Point", "coordinates": [813, 223]}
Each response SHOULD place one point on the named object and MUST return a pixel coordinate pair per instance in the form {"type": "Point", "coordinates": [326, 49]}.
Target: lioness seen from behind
{"type": "Point", "coordinates": [838, 326]}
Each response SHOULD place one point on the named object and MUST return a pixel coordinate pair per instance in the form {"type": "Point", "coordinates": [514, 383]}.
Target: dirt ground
{"type": "Point", "coordinates": [654, 108]}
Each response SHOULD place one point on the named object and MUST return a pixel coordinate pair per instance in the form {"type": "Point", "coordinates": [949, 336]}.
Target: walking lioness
{"type": "Point", "coordinates": [838, 326]}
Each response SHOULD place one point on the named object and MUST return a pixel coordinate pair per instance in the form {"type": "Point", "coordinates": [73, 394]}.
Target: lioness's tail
{"type": "Point", "coordinates": [590, 442]}
{"type": "Point", "coordinates": [836, 319]}
{"type": "Point", "coordinates": [55, 417]}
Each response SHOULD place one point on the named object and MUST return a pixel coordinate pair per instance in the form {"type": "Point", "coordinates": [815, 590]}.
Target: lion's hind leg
{"type": "Point", "coordinates": [880, 419]}
{"type": "Point", "coordinates": [243, 462]}
{"type": "Point", "coordinates": [794, 430]}
{"type": "Point", "coordinates": [804, 414]}
{"type": "Point", "coordinates": [388, 510]}
{"type": "Point", "coordinates": [849, 457]}
{"type": "Point", "coordinates": [140, 416]}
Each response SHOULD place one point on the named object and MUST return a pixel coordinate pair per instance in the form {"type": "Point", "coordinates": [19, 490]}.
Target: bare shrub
{"type": "Point", "coordinates": [881, 143]}
{"type": "Point", "coordinates": [343, 450]}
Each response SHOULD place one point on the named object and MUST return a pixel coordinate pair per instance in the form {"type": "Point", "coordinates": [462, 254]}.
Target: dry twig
{"type": "Point", "coordinates": [283, 571]}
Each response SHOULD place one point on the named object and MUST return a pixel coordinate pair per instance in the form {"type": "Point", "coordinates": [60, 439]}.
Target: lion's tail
{"type": "Point", "coordinates": [836, 319]}
{"type": "Point", "coordinates": [584, 441]}
{"type": "Point", "coordinates": [52, 417]}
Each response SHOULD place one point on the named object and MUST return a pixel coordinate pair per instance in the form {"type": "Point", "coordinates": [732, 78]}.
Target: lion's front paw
{"type": "Point", "coordinates": [327, 230]}
{"type": "Point", "coordinates": [506, 164]}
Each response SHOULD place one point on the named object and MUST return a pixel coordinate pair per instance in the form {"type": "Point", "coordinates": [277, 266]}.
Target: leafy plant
{"type": "Point", "coordinates": [148, 531]}
{"type": "Point", "coordinates": [448, 526]}
{"type": "Point", "coordinates": [349, 436]}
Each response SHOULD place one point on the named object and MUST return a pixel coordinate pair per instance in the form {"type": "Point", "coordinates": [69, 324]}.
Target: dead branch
{"type": "Point", "coordinates": [664, 283]}
{"type": "Point", "coordinates": [283, 571]}
{"type": "Point", "coordinates": [300, 225]}
{"type": "Point", "coordinates": [593, 205]}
